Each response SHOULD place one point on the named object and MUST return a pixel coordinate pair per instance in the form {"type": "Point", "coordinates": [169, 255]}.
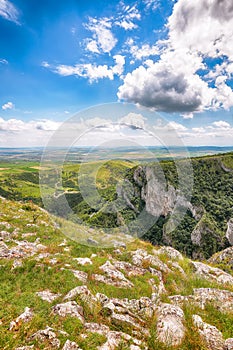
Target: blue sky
{"type": "Point", "coordinates": [172, 57]}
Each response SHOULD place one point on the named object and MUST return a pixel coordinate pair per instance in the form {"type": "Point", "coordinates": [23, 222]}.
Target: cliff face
{"type": "Point", "coordinates": [177, 219]}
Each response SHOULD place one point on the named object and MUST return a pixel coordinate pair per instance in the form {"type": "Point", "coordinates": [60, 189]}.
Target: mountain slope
{"type": "Point", "coordinates": [57, 294]}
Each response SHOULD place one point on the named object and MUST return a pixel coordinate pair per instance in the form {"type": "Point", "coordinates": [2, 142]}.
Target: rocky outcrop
{"type": "Point", "coordinates": [114, 338]}
{"type": "Point", "coordinates": [212, 273]}
{"type": "Point", "coordinates": [47, 335]}
{"type": "Point", "coordinates": [221, 299]}
{"type": "Point", "coordinates": [225, 257]}
{"type": "Point", "coordinates": [70, 308]}
{"type": "Point", "coordinates": [170, 325]}
{"type": "Point", "coordinates": [210, 335]}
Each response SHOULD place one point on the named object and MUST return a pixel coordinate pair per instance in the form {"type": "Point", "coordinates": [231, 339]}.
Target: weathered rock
{"type": "Point", "coordinates": [48, 296]}
{"type": "Point", "coordinates": [212, 273]}
{"type": "Point", "coordinates": [80, 275]}
{"type": "Point", "coordinates": [70, 345]}
{"type": "Point", "coordinates": [223, 257]}
{"type": "Point", "coordinates": [229, 344]}
{"type": "Point", "coordinates": [23, 249]}
{"type": "Point", "coordinates": [83, 261]}
{"type": "Point", "coordinates": [112, 282]}
{"type": "Point", "coordinates": [115, 277]}
{"type": "Point", "coordinates": [84, 294]}
{"type": "Point", "coordinates": [48, 335]}
{"type": "Point", "coordinates": [112, 272]}
{"type": "Point", "coordinates": [125, 320]}
{"type": "Point", "coordinates": [210, 335]}
{"type": "Point", "coordinates": [221, 299]}
{"type": "Point", "coordinates": [27, 347]}
{"type": "Point", "coordinates": [170, 325]}
{"type": "Point", "coordinates": [129, 269]}
{"type": "Point", "coordinates": [141, 258]}
{"type": "Point", "coordinates": [70, 308]}
{"type": "Point", "coordinates": [170, 252]}
{"type": "Point", "coordinates": [4, 250]}
{"type": "Point", "coordinates": [113, 338]}
{"type": "Point", "coordinates": [26, 316]}
{"type": "Point", "coordinates": [160, 289]}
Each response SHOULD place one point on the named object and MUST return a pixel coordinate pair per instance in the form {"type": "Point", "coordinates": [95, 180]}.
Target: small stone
{"type": "Point", "coordinates": [83, 261]}
{"type": "Point", "coordinates": [70, 345]}
{"type": "Point", "coordinates": [17, 263]}
{"type": "Point", "coordinates": [25, 317]}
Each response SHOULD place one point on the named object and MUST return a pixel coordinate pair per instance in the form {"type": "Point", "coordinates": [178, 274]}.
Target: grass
{"type": "Point", "coordinates": [19, 286]}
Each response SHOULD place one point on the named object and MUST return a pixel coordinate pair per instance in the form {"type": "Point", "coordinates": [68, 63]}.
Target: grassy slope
{"type": "Point", "coordinates": [19, 285]}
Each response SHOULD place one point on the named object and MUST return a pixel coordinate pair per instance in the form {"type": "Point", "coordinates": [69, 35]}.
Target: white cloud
{"type": "Point", "coordinates": [175, 126]}
{"type": "Point", "coordinates": [8, 105]}
{"type": "Point", "coordinates": [9, 11]}
{"type": "Point", "coordinates": [151, 4]}
{"type": "Point", "coordinates": [134, 120]}
{"type": "Point", "coordinates": [202, 26]}
{"type": "Point", "coordinates": [161, 87]}
{"type": "Point", "coordinates": [45, 64]}
{"type": "Point", "coordinates": [91, 71]}
{"type": "Point", "coordinates": [13, 125]}
{"type": "Point", "coordinates": [221, 124]}
{"type": "Point", "coordinates": [187, 115]}
{"type": "Point", "coordinates": [173, 83]}
{"type": "Point", "coordinates": [127, 18]}
{"type": "Point", "coordinates": [103, 40]}
{"type": "Point", "coordinates": [3, 61]}
{"type": "Point", "coordinates": [92, 45]}
{"type": "Point", "coordinates": [145, 50]}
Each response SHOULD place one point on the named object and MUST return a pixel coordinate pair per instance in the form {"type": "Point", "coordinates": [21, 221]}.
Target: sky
{"type": "Point", "coordinates": [169, 58]}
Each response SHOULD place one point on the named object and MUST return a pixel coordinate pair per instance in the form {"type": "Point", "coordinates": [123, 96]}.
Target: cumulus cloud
{"type": "Point", "coordinates": [103, 39]}
{"type": "Point", "coordinates": [8, 105]}
{"type": "Point", "coordinates": [134, 120]}
{"type": "Point", "coordinates": [162, 88]}
{"type": "Point", "coordinates": [221, 125]}
{"type": "Point", "coordinates": [91, 71]}
{"type": "Point", "coordinates": [9, 11]}
{"type": "Point", "coordinates": [177, 81]}
{"type": "Point", "coordinates": [145, 50]}
{"type": "Point", "coordinates": [16, 125]}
